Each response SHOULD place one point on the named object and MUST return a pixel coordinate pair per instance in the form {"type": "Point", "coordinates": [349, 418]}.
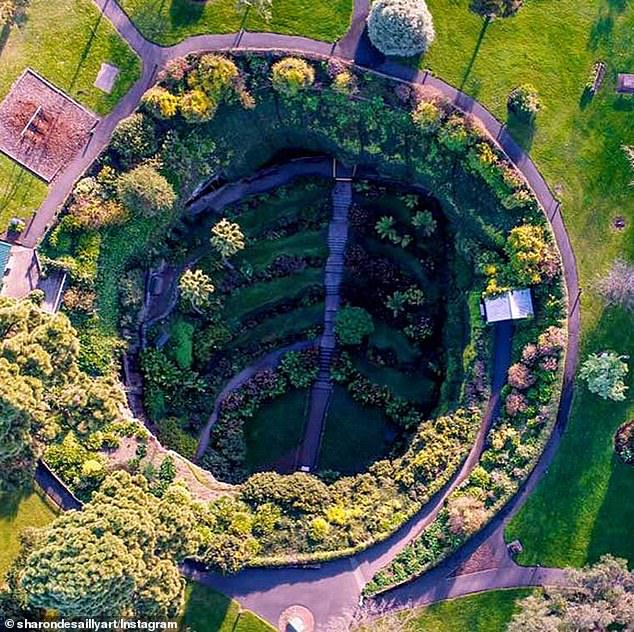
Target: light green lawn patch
{"type": "Point", "coordinates": [484, 612]}
{"type": "Point", "coordinates": [20, 192]}
{"type": "Point", "coordinates": [285, 324]}
{"type": "Point", "coordinates": [354, 435]}
{"type": "Point", "coordinates": [410, 386]}
{"type": "Point", "coordinates": [276, 430]}
{"type": "Point", "coordinates": [17, 513]}
{"type": "Point", "coordinates": [264, 295]}
{"type": "Point", "coordinates": [170, 22]}
{"type": "Point", "coordinates": [578, 511]}
{"type": "Point", "coordinates": [385, 337]}
{"type": "Point", "coordinates": [262, 254]}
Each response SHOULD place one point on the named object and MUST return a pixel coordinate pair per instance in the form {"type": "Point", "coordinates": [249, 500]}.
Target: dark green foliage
{"type": "Point", "coordinates": [134, 139]}
{"type": "Point", "coordinates": [182, 343]}
{"type": "Point", "coordinates": [496, 8]}
{"type": "Point", "coordinates": [353, 325]}
{"type": "Point", "coordinates": [145, 191]}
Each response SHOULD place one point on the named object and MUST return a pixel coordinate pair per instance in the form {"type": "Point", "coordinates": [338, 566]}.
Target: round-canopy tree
{"type": "Point", "coordinates": [401, 27]}
{"type": "Point", "coordinates": [144, 190]}
{"type": "Point", "coordinates": [604, 373]}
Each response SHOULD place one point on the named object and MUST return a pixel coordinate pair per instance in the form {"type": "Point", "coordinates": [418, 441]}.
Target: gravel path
{"type": "Point", "coordinates": [333, 588]}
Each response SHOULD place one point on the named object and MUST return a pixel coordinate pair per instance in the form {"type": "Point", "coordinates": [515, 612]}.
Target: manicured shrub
{"type": "Point", "coordinates": [524, 101]}
{"type": "Point", "coordinates": [145, 191]}
{"type": "Point", "coordinates": [533, 258]}
{"type": "Point", "coordinates": [353, 325]}
{"type": "Point", "coordinates": [160, 102]}
{"type": "Point", "coordinates": [227, 238]}
{"type": "Point", "coordinates": [344, 83]}
{"type": "Point", "coordinates": [427, 116]}
{"type": "Point", "coordinates": [95, 213]}
{"type": "Point", "coordinates": [515, 403]}
{"type": "Point", "coordinates": [466, 514]}
{"type": "Point", "coordinates": [453, 134]}
{"type": "Point", "coordinates": [300, 367]}
{"type": "Point", "coordinates": [401, 27]}
{"type": "Point", "coordinates": [604, 374]}
{"type": "Point", "coordinates": [134, 139]}
{"type": "Point", "coordinates": [520, 377]}
{"type": "Point", "coordinates": [496, 8]}
{"type": "Point", "coordinates": [215, 75]}
{"type": "Point", "coordinates": [290, 75]}
{"type": "Point", "coordinates": [197, 107]}
{"type": "Point", "coordinates": [624, 443]}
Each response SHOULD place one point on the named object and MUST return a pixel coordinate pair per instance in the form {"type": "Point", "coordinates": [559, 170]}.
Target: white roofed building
{"type": "Point", "coordinates": [513, 305]}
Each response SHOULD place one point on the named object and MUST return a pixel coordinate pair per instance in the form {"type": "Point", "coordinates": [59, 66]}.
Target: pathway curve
{"type": "Point", "coordinates": [332, 589]}
{"type": "Point", "coordinates": [321, 390]}
{"type": "Point", "coordinates": [269, 361]}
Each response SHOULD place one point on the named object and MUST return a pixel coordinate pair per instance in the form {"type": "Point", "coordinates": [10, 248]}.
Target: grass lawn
{"type": "Point", "coordinates": [385, 337]}
{"type": "Point", "coordinates": [20, 191]}
{"type": "Point", "coordinates": [300, 199]}
{"type": "Point", "coordinates": [170, 22]}
{"type": "Point", "coordinates": [209, 611]}
{"type": "Point", "coordinates": [66, 42]}
{"type": "Point", "coordinates": [578, 510]}
{"type": "Point", "coordinates": [484, 612]}
{"type": "Point", "coordinates": [16, 513]}
{"type": "Point", "coordinates": [262, 253]}
{"type": "Point", "coordinates": [285, 324]}
{"type": "Point", "coordinates": [354, 436]}
{"type": "Point", "coordinates": [264, 295]}
{"type": "Point", "coordinates": [409, 386]}
{"type": "Point", "coordinates": [276, 429]}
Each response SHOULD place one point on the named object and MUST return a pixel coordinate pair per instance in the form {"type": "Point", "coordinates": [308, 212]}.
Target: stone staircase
{"type": "Point", "coordinates": [322, 388]}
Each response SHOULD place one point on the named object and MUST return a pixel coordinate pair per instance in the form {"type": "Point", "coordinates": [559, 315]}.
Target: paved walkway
{"type": "Point", "coordinates": [333, 588]}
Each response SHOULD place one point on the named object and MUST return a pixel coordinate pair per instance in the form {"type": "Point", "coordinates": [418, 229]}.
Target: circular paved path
{"type": "Point", "coordinates": [333, 589]}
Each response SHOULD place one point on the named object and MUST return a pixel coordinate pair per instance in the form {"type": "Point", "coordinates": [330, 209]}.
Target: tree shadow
{"type": "Point", "coordinates": [10, 502]}
{"type": "Point", "coordinates": [601, 31]}
{"type": "Point", "coordinates": [85, 52]}
{"type": "Point", "coordinates": [5, 31]}
{"type": "Point", "coordinates": [612, 528]}
{"type": "Point", "coordinates": [184, 12]}
{"type": "Point", "coordinates": [522, 130]}
{"type": "Point", "coordinates": [474, 55]}
{"type": "Point", "coordinates": [618, 6]}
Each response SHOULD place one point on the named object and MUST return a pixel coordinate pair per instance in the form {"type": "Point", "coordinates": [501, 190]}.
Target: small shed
{"type": "Point", "coordinates": [625, 84]}
{"type": "Point", "coordinates": [513, 305]}
{"type": "Point", "coordinates": [5, 253]}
